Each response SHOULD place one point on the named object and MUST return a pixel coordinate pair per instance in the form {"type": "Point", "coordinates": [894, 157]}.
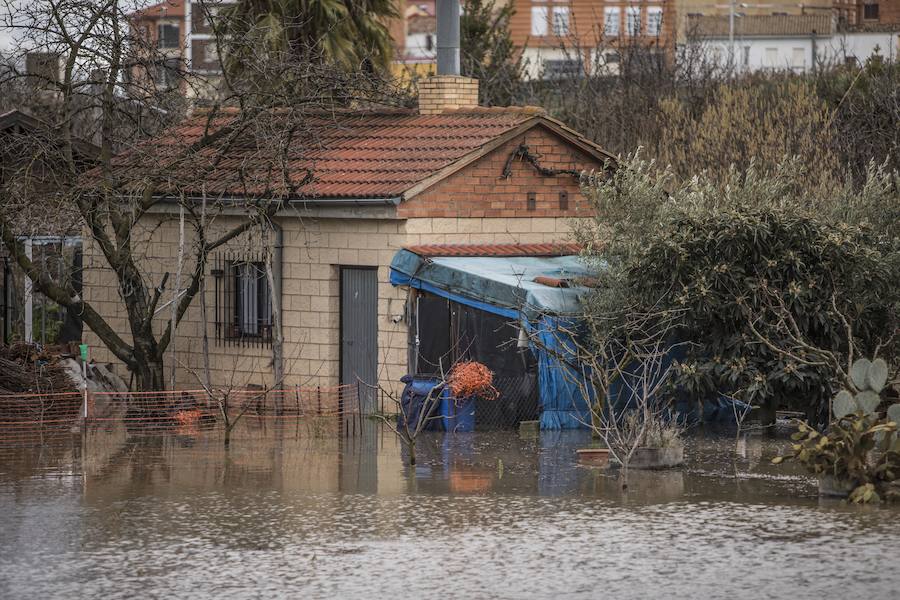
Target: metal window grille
{"type": "Point", "coordinates": [243, 300]}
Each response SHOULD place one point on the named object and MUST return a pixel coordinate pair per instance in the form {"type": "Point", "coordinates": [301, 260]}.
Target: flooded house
{"type": "Point", "coordinates": [449, 172]}
{"type": "Point", "coordinates": [354, 187]}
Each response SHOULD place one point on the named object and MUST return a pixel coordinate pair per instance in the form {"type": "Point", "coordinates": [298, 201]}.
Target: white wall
{"type": "Point", "coordinates": [417, 46]}
{"type": "Point", "coordinates": [796, 53]}
{"type": "Point", "coordinates": [752, 55]}
{"type": "Point", "coordinates": [862, 46]}
{"type": "Point", "coordinates": [533, 59]}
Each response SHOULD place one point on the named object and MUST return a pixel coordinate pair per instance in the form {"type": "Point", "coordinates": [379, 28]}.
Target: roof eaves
{"type": "Point", "coordinates": [547, 249]}
{"type": "Point", "coordinates": [577, 139]}
{"type": "Point", "coordinates": [295, 202]}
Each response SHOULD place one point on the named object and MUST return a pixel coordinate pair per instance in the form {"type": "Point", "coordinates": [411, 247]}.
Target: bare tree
{"type": "Point", "coordinates": [643, 414]}
{"type": "Point", "coordinates": [778, 330]}
{"type": "Point", "coordinates": [410, 420]}
{"type": "Point", "coordinates": [107, 88]}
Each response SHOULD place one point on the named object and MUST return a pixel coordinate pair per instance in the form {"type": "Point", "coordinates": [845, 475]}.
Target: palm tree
{"type": "Point", "coordinates": [351, 34]}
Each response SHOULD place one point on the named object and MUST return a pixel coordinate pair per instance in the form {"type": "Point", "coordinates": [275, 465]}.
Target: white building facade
{"type": "Point", "coordinates": [798, 43]}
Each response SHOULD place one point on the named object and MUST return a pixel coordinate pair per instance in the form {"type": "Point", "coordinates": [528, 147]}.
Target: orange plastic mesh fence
{"type": "Point", "coordinates": [35, 418]}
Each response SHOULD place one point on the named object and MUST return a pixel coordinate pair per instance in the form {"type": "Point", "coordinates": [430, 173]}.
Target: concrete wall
{"type": "Point", "coordinates": [314, 250]}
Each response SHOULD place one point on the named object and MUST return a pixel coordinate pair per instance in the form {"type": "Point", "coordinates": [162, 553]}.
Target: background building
{"type": "Point", "coordinates": [799, 43]}
{"type": "Point", "coordinates": [180, 33]}
{"type": "Point", "coordinates": [563, 38]}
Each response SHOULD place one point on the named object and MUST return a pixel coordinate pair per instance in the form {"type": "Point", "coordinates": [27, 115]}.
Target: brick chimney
{"type": "Point", "coordinates": [447, 92]}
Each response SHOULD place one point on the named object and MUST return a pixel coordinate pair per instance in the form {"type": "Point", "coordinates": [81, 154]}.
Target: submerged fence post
{"type": "Point", "coordinates": [83, 348]}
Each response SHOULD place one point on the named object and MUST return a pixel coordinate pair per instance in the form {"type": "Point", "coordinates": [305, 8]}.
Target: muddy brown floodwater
{"type": "Point", "coordinates": [295, 512]}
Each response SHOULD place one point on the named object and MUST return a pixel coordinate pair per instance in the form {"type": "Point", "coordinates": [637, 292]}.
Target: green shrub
{"type": "Point", "coordinates": [763, 278]}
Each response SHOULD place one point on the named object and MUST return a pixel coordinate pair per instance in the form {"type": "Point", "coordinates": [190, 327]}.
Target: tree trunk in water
{"type": "Point", "coordinates": [412, 452]}
{"type": "Point", "coordinates": [147, 363]}
{"type": "Point", "coordinates": [149, 375]}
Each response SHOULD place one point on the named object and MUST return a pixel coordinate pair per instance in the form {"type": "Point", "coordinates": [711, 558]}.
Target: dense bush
{"type": "Point", "coordinates": [758, 119]}
{"type": "Point", "coordinates": [865, 111]}
{"type": "Point", "coordinates": [766, 269]}
{"type": "Point", "coordinates": [763, 276]}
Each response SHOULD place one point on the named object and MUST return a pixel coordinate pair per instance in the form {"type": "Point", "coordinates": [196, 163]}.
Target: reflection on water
{"type": "Point", "coordinates": [296, 511]}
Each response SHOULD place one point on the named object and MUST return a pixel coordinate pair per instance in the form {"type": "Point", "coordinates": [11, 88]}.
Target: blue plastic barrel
{"type": "Point", "coordinates": [459, 416]}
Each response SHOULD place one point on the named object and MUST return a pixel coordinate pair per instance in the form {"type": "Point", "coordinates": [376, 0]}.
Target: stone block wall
{"type": "Point", "coordinates": [314, 250]}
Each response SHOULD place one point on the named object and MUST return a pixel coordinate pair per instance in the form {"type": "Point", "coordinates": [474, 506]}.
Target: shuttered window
{"type": "Point", "coordinates": [243, 305]}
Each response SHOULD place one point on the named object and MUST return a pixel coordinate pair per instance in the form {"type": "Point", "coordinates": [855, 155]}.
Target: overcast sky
{"type": "Point", "coordinates": [7, 7]}
{"type": "Point", "coordinates": [5, 34]}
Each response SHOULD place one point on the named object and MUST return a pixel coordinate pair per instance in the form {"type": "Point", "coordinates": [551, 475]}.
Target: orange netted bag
{"type": "Point", "coordinates": [472, 379]}
{"type": "Point", "coordinates": [188, 417]}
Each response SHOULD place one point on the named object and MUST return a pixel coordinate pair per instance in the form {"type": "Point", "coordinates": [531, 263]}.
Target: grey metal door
{"type": "Point", "coordinates": [359, 333]}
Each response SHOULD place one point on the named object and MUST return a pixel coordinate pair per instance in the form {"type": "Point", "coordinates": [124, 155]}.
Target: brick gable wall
{"type": "Point", "coordinates": [480, 190]}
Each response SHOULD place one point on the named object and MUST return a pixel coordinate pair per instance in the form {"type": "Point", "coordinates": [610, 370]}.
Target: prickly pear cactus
{"type": "Point", "coordinates": [859, 373]}
{"type": "Point", "coordinates": [877, 375]}
{"type": "Point", "coordinates": [869, 378]}
{"type": "Point", "coordinates": [893, 413]}
{"type": "Point", "coordinates": [843, 404]}
{"type": "Point", "coordinates": [868, 401]}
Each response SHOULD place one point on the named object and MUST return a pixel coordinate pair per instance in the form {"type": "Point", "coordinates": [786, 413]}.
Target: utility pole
{"type": "Point", "coordinates": [731, 63]}
{"type": "Point", "coordinates": [188, 37]}
{"type": "Point", "coordinates": [29, 294]}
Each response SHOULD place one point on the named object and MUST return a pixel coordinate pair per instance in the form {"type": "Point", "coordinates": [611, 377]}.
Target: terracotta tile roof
{"type": "Point", "coordinates": [353, 154]}
{"type": "Point", "coordinates": [447, 250]}
{"type": "Point", "coordinates": [700, 26]}
{"type": "Point", "coordinates": [166, 8]}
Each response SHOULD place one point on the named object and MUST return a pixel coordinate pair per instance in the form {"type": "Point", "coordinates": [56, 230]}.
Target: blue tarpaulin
{"type": "Point", "coordinates": [501, 285]}
{"type": "Point", "coordinates": [563, 403]}
{"type": "Point", "coordinates": [506, 286]}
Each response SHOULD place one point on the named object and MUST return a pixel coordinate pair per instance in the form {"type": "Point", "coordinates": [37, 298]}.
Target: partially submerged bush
{"type": "Point", "coordinates": [663, 432]}
{"type": "Point", "coordinates": [768, 281]}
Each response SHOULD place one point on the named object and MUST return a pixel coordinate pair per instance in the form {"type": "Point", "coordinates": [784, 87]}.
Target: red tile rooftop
{"type": "Point", "coordinates": [166, 8]}
{"type": "Point", "coordinates": [374, 154]}
{"type": "Point", "coordinates": [505, 250]}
